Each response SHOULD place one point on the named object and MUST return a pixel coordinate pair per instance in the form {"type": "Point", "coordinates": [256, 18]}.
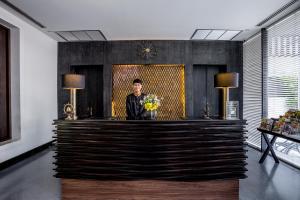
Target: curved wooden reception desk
{"type": "Point", "coordinates": [150, 159]}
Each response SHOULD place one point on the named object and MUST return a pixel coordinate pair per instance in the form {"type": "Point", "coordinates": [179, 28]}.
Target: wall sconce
{"type": "Point", "coordinates": [225, 81]}
{"type": "Point", "coordinates": [73, 82]}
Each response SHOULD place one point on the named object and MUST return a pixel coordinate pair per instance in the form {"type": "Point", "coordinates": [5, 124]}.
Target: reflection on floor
{"type": "Point", "coordinates": [288, 150]}
{"type": "Point", "coordinates": [32, 179]}
{"type": "Point", "coordinates": [269, 180]}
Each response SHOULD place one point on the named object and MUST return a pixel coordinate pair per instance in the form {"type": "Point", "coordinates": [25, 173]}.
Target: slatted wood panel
{"type": "Point", "coordinates": [187, 150]}
{"type": "Point", "coordinates": [74, 189]}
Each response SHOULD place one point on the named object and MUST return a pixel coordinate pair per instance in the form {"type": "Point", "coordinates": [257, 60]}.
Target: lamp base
{"type": "Point", "coordinates": [73, 103]}
{"type": "Point", "coordinates": [225, 99]}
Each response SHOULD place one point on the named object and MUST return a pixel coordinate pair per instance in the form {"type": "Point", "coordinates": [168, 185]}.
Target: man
{"type": "Point", "coordinates": [134, 109]}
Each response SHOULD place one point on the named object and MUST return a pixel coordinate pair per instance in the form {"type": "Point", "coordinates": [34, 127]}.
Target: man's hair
{"type": "Point", "coordinates": [137, 81]}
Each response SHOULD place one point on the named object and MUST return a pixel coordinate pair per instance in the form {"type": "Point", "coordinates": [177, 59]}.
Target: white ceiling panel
{"type": "Point", "coordinates": [144, 19]}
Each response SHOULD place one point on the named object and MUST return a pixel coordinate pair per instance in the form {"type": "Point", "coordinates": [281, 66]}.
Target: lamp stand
{"type": "Point", "coordinates": [225, 99]}
{"type": "Point", "coordinates": [73, 102]}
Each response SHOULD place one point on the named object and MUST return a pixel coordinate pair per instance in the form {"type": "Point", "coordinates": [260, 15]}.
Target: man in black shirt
{"type": "Point", "coordinates": [134, 109]}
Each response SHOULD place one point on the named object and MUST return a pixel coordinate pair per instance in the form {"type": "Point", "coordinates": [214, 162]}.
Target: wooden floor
{"type": "Point", "coordinates": [76, 189]}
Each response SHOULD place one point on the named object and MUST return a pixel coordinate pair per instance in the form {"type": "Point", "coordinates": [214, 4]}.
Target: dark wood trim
{"type": "Point", "coordinates": [8, 98]}
{"type": "Point", "coordinates": [25, 155]}
{"type": "Point", "coordinates": [264, 64]}
{"type": "Point", "coordinates": [5, 133]}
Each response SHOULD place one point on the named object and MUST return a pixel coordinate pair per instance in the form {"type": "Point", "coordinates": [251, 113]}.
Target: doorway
{"type": "Point", "coordinates": [204, 92]}
{"type": "Point", "coordinates": [90, 99]}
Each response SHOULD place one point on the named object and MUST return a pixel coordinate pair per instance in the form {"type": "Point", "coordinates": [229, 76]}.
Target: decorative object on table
{"type": "Point", "coordinates": [270, 124]}
{"type": "Point", "coordinates": [206, 111]}
{"type": "Point", "coordinates": [146, 50]}
{"type": "Point", "coordinates": [90, 111]}
{"type": "Point", "coordinates": [277, 125]}
{"type": "Point", "coordinates": [73, 82]}
{"type": "Point", "coordinates": [232, 110]}
{"type": "Point", "coordinates": [291, 122]}
{"type": "Point", "coordinates": [266, 124]}
{"type": "Point", "coordinates": [69, 111]}
{"type": "Point", "coordinates": [288, 124]}
{"type": "Point", "coordinates": [225, 81]}
{"type": "Point", "coordinates": [151, 103]}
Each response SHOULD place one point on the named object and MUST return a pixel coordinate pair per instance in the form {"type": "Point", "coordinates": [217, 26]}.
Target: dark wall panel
{"type": "Point", "coordinates": [71, 54]}
{"type": "Point", "coordinates": [204, 91]}
{"type": "Point", "coordinates": [189, 53]}
{"type": "Point", "coordinates": [90, 100]}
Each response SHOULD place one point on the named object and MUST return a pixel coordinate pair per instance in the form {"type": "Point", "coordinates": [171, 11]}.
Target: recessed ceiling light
{"type": "Point", "coordinates": [229, 35]}
{"type": "Point", "coordinates": [214, 34]}
{"type": "Point", "coordinates": [68, 36]}
{"type": "Point", "coordinates": [81, 35]}
{"type": "Point", "coordinates": [201, 34]}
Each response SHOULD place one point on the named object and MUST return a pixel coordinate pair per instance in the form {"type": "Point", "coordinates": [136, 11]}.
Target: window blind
{"type": "Point", "coordinates": [283, 65]}
{"type": "Point", "coordinates": [283, 73]}
{"type": "Point", "coordinates": [252, 92]}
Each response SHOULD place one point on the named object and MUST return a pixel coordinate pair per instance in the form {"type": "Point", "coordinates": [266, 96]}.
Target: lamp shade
{"type": "Point", "coordinates": [228, 79]}
{"type": "Point", "coordinates": [73, 81]}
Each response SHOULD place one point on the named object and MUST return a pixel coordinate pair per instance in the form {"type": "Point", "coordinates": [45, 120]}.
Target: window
{"type": "Point", "coordinates": [283, 76]}
{"type": "Point", "coordinates": [283, 66]}
{"type": "Point", "coordinates": [4, 85]}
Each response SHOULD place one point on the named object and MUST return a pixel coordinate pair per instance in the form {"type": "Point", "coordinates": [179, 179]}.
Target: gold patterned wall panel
{"type": "Point", "coordinates": [166, 81]}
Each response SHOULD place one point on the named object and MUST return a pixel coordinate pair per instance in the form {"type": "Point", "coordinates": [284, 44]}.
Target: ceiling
{"type": "Point", "coordinates": [150, 19]}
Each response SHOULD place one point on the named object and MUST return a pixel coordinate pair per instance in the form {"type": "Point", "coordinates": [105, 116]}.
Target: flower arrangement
{"type": "Point", "coordinates": [151, 102]}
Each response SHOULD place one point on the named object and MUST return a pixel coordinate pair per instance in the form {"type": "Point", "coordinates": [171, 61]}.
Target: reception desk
{"type": "Point", "coordinates": [184, 159]}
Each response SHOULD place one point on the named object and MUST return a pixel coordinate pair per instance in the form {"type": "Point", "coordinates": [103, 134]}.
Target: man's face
{"type": "Point", "coordinates": [137, 87]}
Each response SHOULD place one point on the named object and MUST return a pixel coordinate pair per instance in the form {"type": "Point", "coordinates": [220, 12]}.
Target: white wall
{"type": "Point", "coordinates": [38, 88]}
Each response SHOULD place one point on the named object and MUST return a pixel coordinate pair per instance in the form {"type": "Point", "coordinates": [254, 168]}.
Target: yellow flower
{"type": "Point", "coordinates": [148, 106]}
{"type": "Point", "coordinates": [154, 106]}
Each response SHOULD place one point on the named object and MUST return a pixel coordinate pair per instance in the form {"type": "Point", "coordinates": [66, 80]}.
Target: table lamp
{"type": "Point", "coordinates": [73, 82]}
{"type": "Point", "coordinates": [225, 81]}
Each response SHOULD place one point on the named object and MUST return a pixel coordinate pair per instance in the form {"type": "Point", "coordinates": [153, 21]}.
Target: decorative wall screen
{"type": "Point", "coordinates": [165, 81]}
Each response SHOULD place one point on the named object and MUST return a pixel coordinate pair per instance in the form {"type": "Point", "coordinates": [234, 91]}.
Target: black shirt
{"type": "Point", "coordinates": [134, 109]}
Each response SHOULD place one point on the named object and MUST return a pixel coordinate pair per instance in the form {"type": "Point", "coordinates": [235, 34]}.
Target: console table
{"type": "Point", "coordinates": [270, 142]}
